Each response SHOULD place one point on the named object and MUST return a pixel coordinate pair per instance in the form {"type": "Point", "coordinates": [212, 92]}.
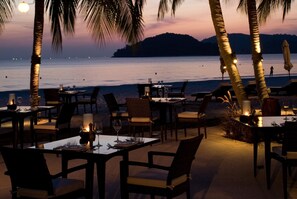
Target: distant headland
{"type": "Point", "coordinates": [170, 44]}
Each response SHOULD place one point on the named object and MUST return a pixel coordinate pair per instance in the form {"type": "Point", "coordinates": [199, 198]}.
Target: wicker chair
{"type": "Point", "coordinates": [52, 98]}
{"type": "Point", "coordinates": [114, 108]}
{"type": "Point", "coordinates": [55, 128]}
{"type": "Point", "coordinates": [140, 115]}
{"type": "Point", "coordinates": [194, 117]}
{"type": "Point", "coordinates": [162, 180]}
{"type": "Point", "coordinates": [178, 91]}
{"type": "Point", "coordinates": [31, 178]}
{"type": "Point", "coordinates": [287, 153]}
{"type": "Point", "coordinates": [89, 98]}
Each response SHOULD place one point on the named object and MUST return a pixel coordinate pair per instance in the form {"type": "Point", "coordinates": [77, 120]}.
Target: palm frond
{"type": "Point", "coordinates": [6, 9]}
{"type": "Point", "coordinates": [105, 17]}
{"type": "Point", "coordinates": [267, 6]}
{"type": "Point", "coordinates": [61, 13]}
{"type": "Point", "coordinates": [164, 7]}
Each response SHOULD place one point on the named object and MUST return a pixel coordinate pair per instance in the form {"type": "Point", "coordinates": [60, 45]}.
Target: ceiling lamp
{"type": "Point", "coordinates": [23, 7]}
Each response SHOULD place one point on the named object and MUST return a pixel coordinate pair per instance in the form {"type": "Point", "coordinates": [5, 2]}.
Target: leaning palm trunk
{"type": "Point", "coordinates": [36, 54]}
{"type": "Point", "coordinates": [256, 51]}
{"type": "Point", "coordinates": [225, 49]}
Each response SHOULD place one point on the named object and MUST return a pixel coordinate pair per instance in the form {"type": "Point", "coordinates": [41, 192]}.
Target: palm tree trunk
{"type": "Point", "coordinates": [256, 51]}
{"type": "Point", "coordinates": [225, 49]}
{"type": "Point", "coordinates": [36, 54]}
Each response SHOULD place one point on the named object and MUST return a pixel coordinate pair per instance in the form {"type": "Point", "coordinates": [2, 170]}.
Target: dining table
{"type": "Point", "coordinates": [166, 106]}
{"type": "Point", "coordinates": [68, 95]}
{"type": "Point", "coordinates": [18, 118]}
{"type": "Point", "coordinates": [263, 128]}
{"type": "Point", "coordinates": [161, 89]}
{"type": "Point", "coordinates": [71, 148]}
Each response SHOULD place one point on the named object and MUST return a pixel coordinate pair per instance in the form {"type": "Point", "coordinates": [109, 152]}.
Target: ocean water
{"type": "Point", "coordinates": [105, 71]}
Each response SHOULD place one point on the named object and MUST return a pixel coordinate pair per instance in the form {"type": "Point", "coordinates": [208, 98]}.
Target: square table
{"type": "Point", "coordinates": [161, 88]}
{"type": "Point", "coordinates": [67, 95]}
{"type": "Point", "coordinates": [18, 117]}
{"type": "Point", "coordinates": [265, 128]}
{"type": "Point", "coordinates": [163, 104]}
{"type": "Point", "coordinates": [70, 147]}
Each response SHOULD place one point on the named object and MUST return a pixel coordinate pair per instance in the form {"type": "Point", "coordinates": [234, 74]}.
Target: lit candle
{"type": "Point", "coordinates": [246, 107]}
{"type": "Point", "coordinates": [87, 120]}
{"type": "Point", "coordinates": [11, 99]}
{"type": "Point", "coordinates": [147, 91]}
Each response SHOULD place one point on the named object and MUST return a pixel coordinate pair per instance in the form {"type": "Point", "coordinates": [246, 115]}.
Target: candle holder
{"type": "Point", "coordinates": [11, 107]}
{"type": "Point", "coordinates": [87, 132]}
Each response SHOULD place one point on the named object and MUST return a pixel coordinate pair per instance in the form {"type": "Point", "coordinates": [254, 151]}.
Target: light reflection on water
{"type": "Point", "coordinates": [15, 75]}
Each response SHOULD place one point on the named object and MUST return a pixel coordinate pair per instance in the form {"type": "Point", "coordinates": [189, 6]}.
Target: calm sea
{"type": "Point", "coordinates": [120, 71]}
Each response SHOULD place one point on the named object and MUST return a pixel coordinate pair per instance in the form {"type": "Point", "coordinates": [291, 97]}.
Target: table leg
{"type": "Point", "coordinates": [255, 146]}
{"type": "Point", "coordinates": [163, 118]}
{"type": "Point", "coordinates": [267, 160]}
{"type": "Point", "coordinates": [15, 132]}
{"type": "Point", "coordinates": [89, 179]}
{"type": "Point", "coordinates": [101, 178]}
{"type": "Point", "coordinates": [21, 131]}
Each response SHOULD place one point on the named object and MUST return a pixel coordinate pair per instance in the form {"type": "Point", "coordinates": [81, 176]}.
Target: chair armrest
{"type": "Point", "coordinates": [145, 164]}
{"type": "Point", "coordinates": [151, 155]}
{"type": "Point", "coordinates": [175, 88]}
{"type": "Point", "coordinates": [70, 170]}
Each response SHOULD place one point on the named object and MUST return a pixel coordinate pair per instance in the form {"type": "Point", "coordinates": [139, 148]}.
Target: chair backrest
{"type": "Point", "coordinates": [271, 107]}
{"type": "Point", "coordinates": [138, 107]}
{"type": "Point", "coordinates": [185, 154]}
{"type": "Point", "coordinates": [290, 137]}
{"type": "Point", "coordinates": [95, 93]}
{"type": "Point", "coordinates": [221, 90]}
{"type": "Point", "coordinates": [291, 87]}
{"type": "Point", "coordinates": [27, 169]}
{"type": "Point", "coordinates": [51, 94]}
{"type": "Point", "coordinates": [251, 88]}
{"type": "Point", "coordinates": [184, 86]}
{"type": "Point", "coordinates": [140, 89]}
{"type": "Point", "coordinates": [111, 102]}
{"type": "Point", "coordinates": [204, 103]}
{"type": "Point", "coordinates": [65, 114]}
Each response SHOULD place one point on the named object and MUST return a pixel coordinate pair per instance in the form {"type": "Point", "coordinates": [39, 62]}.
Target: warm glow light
{"type": "Point", "coordinates": [23, 7]}
{"type": "Point", "coordinates": [87, 119]}
{"type": "Point", "coordinates": [11, 99]}
{"type": "Point", "coordinates": [246, 107]}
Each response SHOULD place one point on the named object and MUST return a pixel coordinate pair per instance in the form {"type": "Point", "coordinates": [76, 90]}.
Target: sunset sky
{"type": "Point", "coordinates": [192, 17]}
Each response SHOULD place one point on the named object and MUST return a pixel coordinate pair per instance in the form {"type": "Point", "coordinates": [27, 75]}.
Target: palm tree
{"type": "Point", "coordinates": [222, 39]}
{"type": "Point", "coordinates": [249, 6]}
{"type": "Point", "coordinates": [103, 18]}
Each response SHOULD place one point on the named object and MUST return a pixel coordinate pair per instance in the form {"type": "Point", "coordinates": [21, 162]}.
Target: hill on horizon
{"type": "Point", "coordinates": [171, 44]}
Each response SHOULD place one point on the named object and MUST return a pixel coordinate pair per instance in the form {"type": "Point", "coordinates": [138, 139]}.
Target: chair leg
{"type": "Point", "coordinates": [205, 134]}
{"type": "Point", "coordinates": [176, 131]}
{"type": "Point", "coordinates": [285, 173]}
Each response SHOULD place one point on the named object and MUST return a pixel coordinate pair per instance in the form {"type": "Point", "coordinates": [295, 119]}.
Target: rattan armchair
{"type": "Point", "coordinates": [193, 117]}
{"type": "Point", "coordinates": [89, 99]}
{"type": "Point", "coordinates": [140, 115]}
{"type": "Point", "coordinates": [54, 129]}
{"type": "Point", "coordinates": [163, 180]}
{"type": "Point", "coordinates": [286, 154]}
{"type": "Point", "coordinates": [31, 178]}
{"type": "Point", "coordinates": [116, 110]}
